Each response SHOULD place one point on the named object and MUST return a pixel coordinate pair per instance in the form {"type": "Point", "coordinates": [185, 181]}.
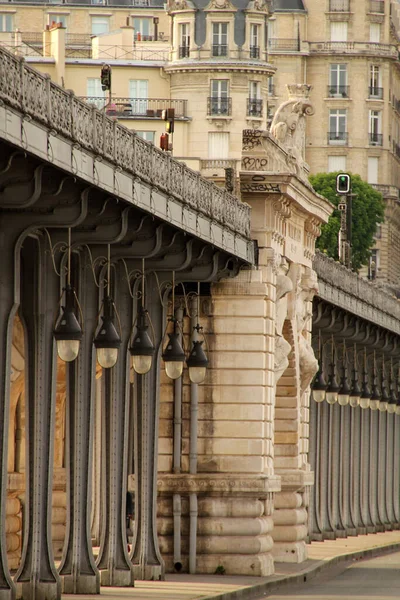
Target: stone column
{"type": "Point", "coordinates": [37, 576]}
{"type": "Point", "coordinates": [113, 560]}
{"type": "Point", "coordinates": [78, 569]}
{"type": "Point", "coordinates": [7, 312]}
{"type": "Point", "coordinates": [235, 479]}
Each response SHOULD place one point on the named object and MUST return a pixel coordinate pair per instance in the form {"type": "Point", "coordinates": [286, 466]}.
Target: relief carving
{"type": "Point", "coordinates": [284, 285]}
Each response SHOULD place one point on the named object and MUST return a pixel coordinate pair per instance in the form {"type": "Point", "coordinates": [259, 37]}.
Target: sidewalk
{"type": "Point", "coordinates": [225, 587]}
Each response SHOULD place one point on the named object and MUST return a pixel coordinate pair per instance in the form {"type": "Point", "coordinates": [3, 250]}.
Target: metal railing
{"type": "Point", "coordinates": [338, 91]}
{"type": "Point", "coordinates": [284, 45]}
{"type": "Point", "coordinates": [220, 50]}
{"type": "Point", "coordinates": [184, 51]}
{"type": "Point", "coordinates": [219, 106]}
{"type": "Point", "coordinates": [120, 53]}
{"type": "Point", "coordinates": [366, 48]}
{"type": "Point", "coordinates": [27, 51]}
{"type": "Point", "coordinates": [375, 139]}
{"type": "Point", "coordinates": [254, 107]}
{"type": "Point", "coordinates": [254, 51]}
{"type": "Point", "coordinates": [137, 107]}
{"type": "Point", "coordinates": [337, 137]}
{"type": "Point", "coordinates": [339, 5]}
{"type": "Point", "coordinates": [33, 94]}
{"type": "Point", "coordinates": [375, 92]}
{"type": "Point", "coordinates": [377, 6]}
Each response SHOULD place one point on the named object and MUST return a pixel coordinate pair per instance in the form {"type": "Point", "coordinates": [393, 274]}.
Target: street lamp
{"type": "Point", "coordinates": [355, 392]}
{"type": "Point", "coordinates": [391, 407]}
{"type": "Point", "coordinates": [67, 331]}
{"type": "Point", "coordinates": [375, 394]}
{"type": "Point", "coordinates": [365, 391]}
{"type": "Point", "coordinates": [173, 355]}
{"type": "Point", "coordinates": [333, 386]}
{"type": "Point", "coordinates": [197, 361]}
{"type": "Point", "coordinates": [383, 404]}
{"type": "Point", "coordinates": [344, 391]}
{"type": "Point", "coordinates": [319, 384]}
{"type": "Point", "coordinates": [142, 348]}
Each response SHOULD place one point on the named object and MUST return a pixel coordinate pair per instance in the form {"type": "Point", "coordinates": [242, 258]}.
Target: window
{"type": "Point", "coordinates": [56, 18]}
{"type": "Point", "coordinates": [100, 25]}
{"type": "Point", "coordinates": [254, 104]}
{"type": "Point", "coordinates": [143, 28]}
{"type": "Point", "coordinates": [339, 31]}
{"type": "Point", "coordinates": [372, 176]}
{"type": "Point", "coordinates": [146, 135]}
{"type": "Point", "coordinates": [375, 82]}
{"type": "Point", "coordinates": [254, 41]}
{"type": "Point", "coordinates": [373, 264]}
{"type": "Point", "coordinates": [336, 163]}
{"type": "Point", "coordinates": [338, 80]}
{"type": "Point", "coordinates": [375, 33]}
{"type": "Point", "coordinates": [95, 93]}
{"type": "Point", "coordinates": [219, 103]}
{"type": "Point", "coordinates": [337, 126]}
{"type": "Point", "coordinates": [218, 145]}
{"type": "Point", "coordinates": [375, 127]}
{"type": "Point", "coordinates": [6, 22]}
{"type": "Point", "coordinates": [139, 94]}
{"type": "Point", "coordinates": [271, 86]}
{"type": "Point", "coordinates": [220, 39]}
{"type": "Point", "coordinates": [184, 40]}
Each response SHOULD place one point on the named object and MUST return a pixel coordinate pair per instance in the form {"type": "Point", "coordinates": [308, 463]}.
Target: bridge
{"type": "Point", "coordinates": [240, 471]}
{"type": "Point", "coordinates": [86, 202]}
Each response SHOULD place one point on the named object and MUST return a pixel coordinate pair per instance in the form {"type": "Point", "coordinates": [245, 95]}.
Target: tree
{"type": "Point", "coordinates": [368, 211]}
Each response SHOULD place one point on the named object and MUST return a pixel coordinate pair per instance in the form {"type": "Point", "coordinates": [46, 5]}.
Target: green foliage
{"type": "Point", "coordinates": [368, 210]}
{"type": "Point", "coordinates": [220, 570]}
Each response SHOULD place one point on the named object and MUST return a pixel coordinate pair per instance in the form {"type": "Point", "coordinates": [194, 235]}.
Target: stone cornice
{"type": "Point", "coordinates": [341, 287]}
{"type": "Point", "coordinates": [216, 484]}
{"type": "Point", "coordinates": [229, 65]}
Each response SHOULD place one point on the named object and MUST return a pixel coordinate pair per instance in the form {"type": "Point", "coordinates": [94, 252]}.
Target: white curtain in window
{"type": "Point", "coordinates": [95, 92]}
{"type": "Point", "coordinates": [218, 144]}
{"type": "Point", "coordinates": [375, 33]}
{"type": "Point", "coordinates": [373, 169]}
{"type": "Point", "coordinates": [339, 31]}
{"type": "Point", "coordinates": [139, 93]}
{"type": "Point", "coordinates": [336, 163]}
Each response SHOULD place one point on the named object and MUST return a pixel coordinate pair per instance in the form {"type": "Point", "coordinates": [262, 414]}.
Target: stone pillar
{"type": "Point", "coordinates": [78, 570]}
{"type": "Point", "coordinates": [235, 479]}
{"type": "Point", "coordinates": [37, 576]}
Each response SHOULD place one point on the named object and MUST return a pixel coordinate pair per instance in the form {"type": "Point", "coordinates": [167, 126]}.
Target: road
{"type": "Point", "coordinates": [374, 579]}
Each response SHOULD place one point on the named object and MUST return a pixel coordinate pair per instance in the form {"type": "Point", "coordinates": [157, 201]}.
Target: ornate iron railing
{"type": "Point", "coordinates": [375, 92]}
{"type": "Point", "coordinates": [341, 91]}
{"type": "Point", "coordinates": [36, 96]}
{"type": "Point", "coordinates": [254, 107]}
{"type": "Point", "coordinates": [339, 5]}
{"type": "Point", "coordinates": [284, 45]}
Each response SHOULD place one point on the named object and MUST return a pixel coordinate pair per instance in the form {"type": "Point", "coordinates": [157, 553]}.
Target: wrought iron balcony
{"type": "Point", "coordinates": [377, 6]}
{"type": "Point", "coordinates": [284, 45]}
{"type": "Point", "coordinates": [339, 5]}
{"type": "Point", "coordinates": [184, 51]}
{"type": "Point", "coordinates": [254, 51]}
{"type": "Point", "coordinates": [219, 106]}
{"type": "Point", "coordinates": [375, 139]}
{"type": "Point", "coordinates": [138, 108]}
{"type": "Point", "coordinates": [220, 50]}
{"type": "Point", "coordinates": [254, 107]}
{"type": "Point", "coordinates": [376, 92]}
{"type": "Point", "coordinates": [337, 137]}
{"type": "Point", "coordinates": [338, 91]}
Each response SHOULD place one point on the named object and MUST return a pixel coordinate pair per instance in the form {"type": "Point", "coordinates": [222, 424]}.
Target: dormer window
{"type": "Point", "coordinates": [254, 41]}
{"type": "Point", "coordinates": [220, 39]}
{"type": "Point", "coordinates": [184, 40]}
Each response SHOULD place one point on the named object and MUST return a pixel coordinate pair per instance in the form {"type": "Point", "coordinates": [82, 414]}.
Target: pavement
{"type": "Point", "coordinates": [321, 556]}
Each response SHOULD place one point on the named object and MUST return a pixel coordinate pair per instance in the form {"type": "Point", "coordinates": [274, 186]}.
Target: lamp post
{"type": "Point", "coordinates": [68, 331]}
{"type": "Point", "coordinates": [333, 386]}
{"type": "Point", "coordinates": [365, 391]}
{"type": "Point", "coordinates": [375, 394]}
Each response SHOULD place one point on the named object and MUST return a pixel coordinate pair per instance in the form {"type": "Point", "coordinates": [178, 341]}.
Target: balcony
{"type": "Point", "coordinates": [184, 51]}
{"type": "Point", "coordinates": [375, 139]}
{"type": "Point", "coordinates": [219, 163]}
{"type": "Point", "coordinates": [337, 138]}
{"type": "Point", "coordinates": [358, 48]}
{"type": "Point", "coordinates": [338, 91]}
{"type": "Point", "coordinates": [254, 107]}
{"type": "Point", "coordinates": [377, 6]}
{"type": "Point", "coordinates": [137, 108]}
{"type": "Point", "coordinates": [220, 50]}
{"type": "Point", "coordinates": [339, 5]}
{"type": "Point", "coordinates": [284, 45]}
{"type": "Point", "coordinates": [217, 107]}
{"type": "Point", "coordinates": [254, 51]}
{"type": "Point", "coordinates": [375, 92]}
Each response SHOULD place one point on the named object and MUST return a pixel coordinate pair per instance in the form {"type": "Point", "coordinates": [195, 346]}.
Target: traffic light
{"type": "Point", "coordinates": [105, 77]}
{"type": "Point", "coordinates": [168, 115]}
{"type": "Point", "coordinates": [343, 183]}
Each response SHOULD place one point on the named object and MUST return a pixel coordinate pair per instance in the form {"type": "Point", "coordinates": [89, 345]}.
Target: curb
{"type": "Point", "coordinates": [256, 591]}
